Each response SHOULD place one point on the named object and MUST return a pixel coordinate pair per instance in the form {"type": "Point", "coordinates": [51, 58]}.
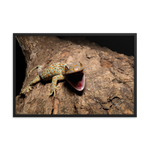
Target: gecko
{"type": "Point", "coordinates": [72, 72]}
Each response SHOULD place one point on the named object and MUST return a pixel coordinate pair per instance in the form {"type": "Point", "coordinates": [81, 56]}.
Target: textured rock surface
{"type": "Point", "coordinates": [109, 78]}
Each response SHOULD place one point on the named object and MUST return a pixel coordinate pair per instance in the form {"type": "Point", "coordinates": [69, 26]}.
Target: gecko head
{"type": "Point", "coordinates": [75, 75]}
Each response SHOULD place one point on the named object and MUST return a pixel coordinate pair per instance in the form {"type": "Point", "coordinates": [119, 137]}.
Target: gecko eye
{"type": "Point", "coordinates": [80, 64]}
{"type": "Point", "coordinates": [66, 68]}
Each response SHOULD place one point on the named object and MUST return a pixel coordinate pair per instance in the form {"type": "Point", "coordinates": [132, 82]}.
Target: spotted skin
{"type": "Point", "coordinates": [55, 72]}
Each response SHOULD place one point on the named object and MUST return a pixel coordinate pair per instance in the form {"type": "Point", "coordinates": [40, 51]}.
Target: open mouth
{"type": "Point", "coordinates": [77, 80]}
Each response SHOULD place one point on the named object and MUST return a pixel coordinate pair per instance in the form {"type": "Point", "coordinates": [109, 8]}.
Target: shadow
{"type": "Point", "coordinates": [45, 82]}
{"type": "Point", "coordinates": [22, 95]}
{"type": "Point", "coordinates": [19, 68]}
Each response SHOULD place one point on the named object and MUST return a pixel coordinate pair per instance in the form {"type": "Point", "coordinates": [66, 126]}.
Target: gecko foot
{"type": "Point", "coordinates": [27, 89]}
{"type": "Point", "coordinates": [58, 87]}
{"type": "Point", "coordinates": [53, 91]}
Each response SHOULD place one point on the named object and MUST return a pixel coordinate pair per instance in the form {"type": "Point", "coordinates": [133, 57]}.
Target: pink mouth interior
{"type": "Point", "coordinates": [77, 80]}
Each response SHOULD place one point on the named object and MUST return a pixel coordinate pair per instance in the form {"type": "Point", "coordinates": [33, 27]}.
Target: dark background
{"type": "Point", "coordinates": [122, 44]}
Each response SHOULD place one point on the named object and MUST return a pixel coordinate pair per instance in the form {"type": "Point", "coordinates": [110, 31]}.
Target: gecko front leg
{"type": "Point", "coordinates": [54, 82]}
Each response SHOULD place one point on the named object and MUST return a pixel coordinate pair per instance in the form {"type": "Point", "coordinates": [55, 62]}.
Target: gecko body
{"type": "Point", "coordinates": [73, 73]}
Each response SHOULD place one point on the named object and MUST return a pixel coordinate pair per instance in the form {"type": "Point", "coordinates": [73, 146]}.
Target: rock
{"type": "Point", "coordinates": [107, 105]}
{"type": "Point", "coordinates": [109, 76]}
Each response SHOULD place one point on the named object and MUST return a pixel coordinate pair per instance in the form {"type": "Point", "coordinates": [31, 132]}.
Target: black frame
{"type": "Point", "coordinates": [75, 34]}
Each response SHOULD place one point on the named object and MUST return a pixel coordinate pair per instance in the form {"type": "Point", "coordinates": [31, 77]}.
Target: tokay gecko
{"type": "Point", "coordinates": [72, 72]}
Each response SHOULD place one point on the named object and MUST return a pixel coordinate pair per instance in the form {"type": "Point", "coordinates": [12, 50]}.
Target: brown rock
{"type": "Point", "coordinates": [114, 111]}
{"type": "Point", "coordinates": [105, 63]}
{"type": "Point", "coordinates": [128, 112]}
{"type": "Point", "coordinates": [107, 105]}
